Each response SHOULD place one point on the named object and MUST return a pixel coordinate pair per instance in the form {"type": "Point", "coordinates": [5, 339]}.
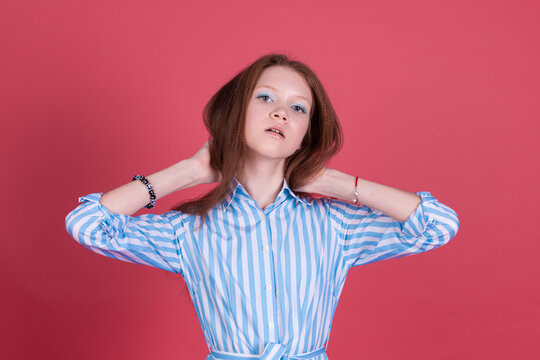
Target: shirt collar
{"type": "Point", "coordinates": [237, 190]}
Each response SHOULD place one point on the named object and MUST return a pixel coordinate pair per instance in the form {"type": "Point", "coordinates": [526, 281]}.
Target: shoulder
{"type": "Point", "coordinates": [177, 218]}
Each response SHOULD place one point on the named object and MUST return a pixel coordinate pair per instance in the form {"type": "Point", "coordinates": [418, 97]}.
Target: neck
{"type": "Point", "coordinates": [263, 181]}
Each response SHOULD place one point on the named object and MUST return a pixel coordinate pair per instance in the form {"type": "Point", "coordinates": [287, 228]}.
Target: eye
{"type": "Point", "coordinates": [263, 96]}
{"type": "Point", "coordinates": [297, 108]}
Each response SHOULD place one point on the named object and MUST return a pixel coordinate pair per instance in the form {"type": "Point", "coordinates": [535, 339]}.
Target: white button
{"type": "Point", "coordinates": [271, 325]}
{"type": "Point", "coordinates": [262, 215]}
{"type": "Point", "coordinates": [268, 287]}
{"type": "Point", "coordinates": [265, 247]}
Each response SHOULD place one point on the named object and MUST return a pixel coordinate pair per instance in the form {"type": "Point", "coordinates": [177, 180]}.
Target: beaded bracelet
{"type": "Point", "coordinates": [355, 200]}
{"type": "Point", "coordinates": [150, 190]}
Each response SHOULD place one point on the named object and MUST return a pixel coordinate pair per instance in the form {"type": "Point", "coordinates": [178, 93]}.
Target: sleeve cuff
{"type": "Point", "coordinates": [113, 224]}
{"type": "Point", "coordinates": [419, 221]}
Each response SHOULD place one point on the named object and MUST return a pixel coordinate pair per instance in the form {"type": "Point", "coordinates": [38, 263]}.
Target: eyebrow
{"type": "Point", "coordinates": [270, 87]}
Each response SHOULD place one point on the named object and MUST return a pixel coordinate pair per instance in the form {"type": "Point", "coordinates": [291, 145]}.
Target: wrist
{"type": "Point", "coordinates": [326, 185]}
{"type": "Point", "coordinates": [188, 173]}
{"type": "Point", "coordinates": [338, 184]}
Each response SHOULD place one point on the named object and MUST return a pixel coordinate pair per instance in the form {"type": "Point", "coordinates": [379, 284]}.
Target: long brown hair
{"type": "Point", "coordinates": [224, 118]}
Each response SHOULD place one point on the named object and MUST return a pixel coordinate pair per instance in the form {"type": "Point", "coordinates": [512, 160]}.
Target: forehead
{"type": "Point", "coordinates": [284, 79]}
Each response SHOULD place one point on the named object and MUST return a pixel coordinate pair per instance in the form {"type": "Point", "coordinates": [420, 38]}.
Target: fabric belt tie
{"type": "Point", "coordinates": [272, 351]}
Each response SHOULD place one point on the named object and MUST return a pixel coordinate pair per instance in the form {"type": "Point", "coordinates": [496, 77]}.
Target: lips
{"type": "Point", "coordinates": [275, 135]}
{"type": "Point", "coordinates": [279, 128]}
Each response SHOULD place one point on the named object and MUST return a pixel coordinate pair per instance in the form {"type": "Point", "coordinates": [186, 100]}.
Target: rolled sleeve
{"type": "Point", "coordinates": [149, 239]}
{"type": "Point", "coordinates": [367, 235]}
{"type": "Point", "coordinates": [431, 214]}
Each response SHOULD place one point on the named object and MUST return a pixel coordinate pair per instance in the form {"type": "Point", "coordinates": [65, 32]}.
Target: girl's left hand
{"type": "Point", "coordinates": [314, 186]}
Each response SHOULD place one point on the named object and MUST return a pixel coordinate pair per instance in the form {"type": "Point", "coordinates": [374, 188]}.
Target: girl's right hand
{"type": "Point", "coordinates": [202, 158]}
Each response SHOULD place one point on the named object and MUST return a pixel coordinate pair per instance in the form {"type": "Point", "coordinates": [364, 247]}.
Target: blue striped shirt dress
{"type": "Point", "coordinates": [264, 283]}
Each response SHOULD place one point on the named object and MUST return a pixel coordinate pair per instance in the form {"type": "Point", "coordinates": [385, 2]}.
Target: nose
{"type": "Point", "coordinates": [279, 114]}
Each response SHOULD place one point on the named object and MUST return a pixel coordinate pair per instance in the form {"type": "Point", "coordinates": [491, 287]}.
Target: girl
{"type": "Point", "coordinates": [264, 259]}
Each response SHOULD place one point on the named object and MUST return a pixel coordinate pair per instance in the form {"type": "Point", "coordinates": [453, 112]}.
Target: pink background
{"type": "Point", "coordinates": [432, 96]}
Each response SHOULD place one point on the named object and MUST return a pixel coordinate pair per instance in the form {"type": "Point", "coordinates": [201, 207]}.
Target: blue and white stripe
{"type": "Point", "coordinates": [264, 283]}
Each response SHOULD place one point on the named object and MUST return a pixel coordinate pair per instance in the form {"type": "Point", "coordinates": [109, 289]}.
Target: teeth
{"type": "Point", "coordinates": [276, 131]}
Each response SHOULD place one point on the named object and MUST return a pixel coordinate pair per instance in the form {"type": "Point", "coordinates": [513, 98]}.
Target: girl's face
{"type": "Point", "coordinates": [281, 99]}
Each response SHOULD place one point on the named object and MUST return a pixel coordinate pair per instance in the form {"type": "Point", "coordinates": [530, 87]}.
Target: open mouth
{"type": "Point", "coordinates": [275, 131]}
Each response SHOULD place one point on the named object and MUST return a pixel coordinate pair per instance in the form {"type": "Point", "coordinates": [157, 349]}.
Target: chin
{"type": "Point", "coordinates": [270, 150]}
{"type": "Point", "coordinates": [268, 153]}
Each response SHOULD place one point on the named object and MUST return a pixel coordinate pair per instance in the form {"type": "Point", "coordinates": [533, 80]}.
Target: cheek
{"type": "Point", "coordinates": [303, 130]}
{"type": "Point", "coordinates": [251, 118]}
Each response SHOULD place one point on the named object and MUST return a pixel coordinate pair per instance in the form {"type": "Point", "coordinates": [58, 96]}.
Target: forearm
{"type": "Point", "coordinates": [396, 203]}
{"type": "Point", "coordinates": [131, 197]}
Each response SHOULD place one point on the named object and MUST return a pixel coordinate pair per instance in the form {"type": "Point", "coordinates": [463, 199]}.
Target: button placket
{"type": "Point", "coordinates": [269, 273]}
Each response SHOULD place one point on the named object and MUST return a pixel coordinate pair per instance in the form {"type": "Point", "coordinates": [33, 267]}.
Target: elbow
{"type": "Point", "coordinates": [69, 223]}
{"type": "Point", "coordinates": [75, 222]}
{"type": "Point", "coordinates": [450, 226]}
{"type": "Point", "coordinates": [454, 224]}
